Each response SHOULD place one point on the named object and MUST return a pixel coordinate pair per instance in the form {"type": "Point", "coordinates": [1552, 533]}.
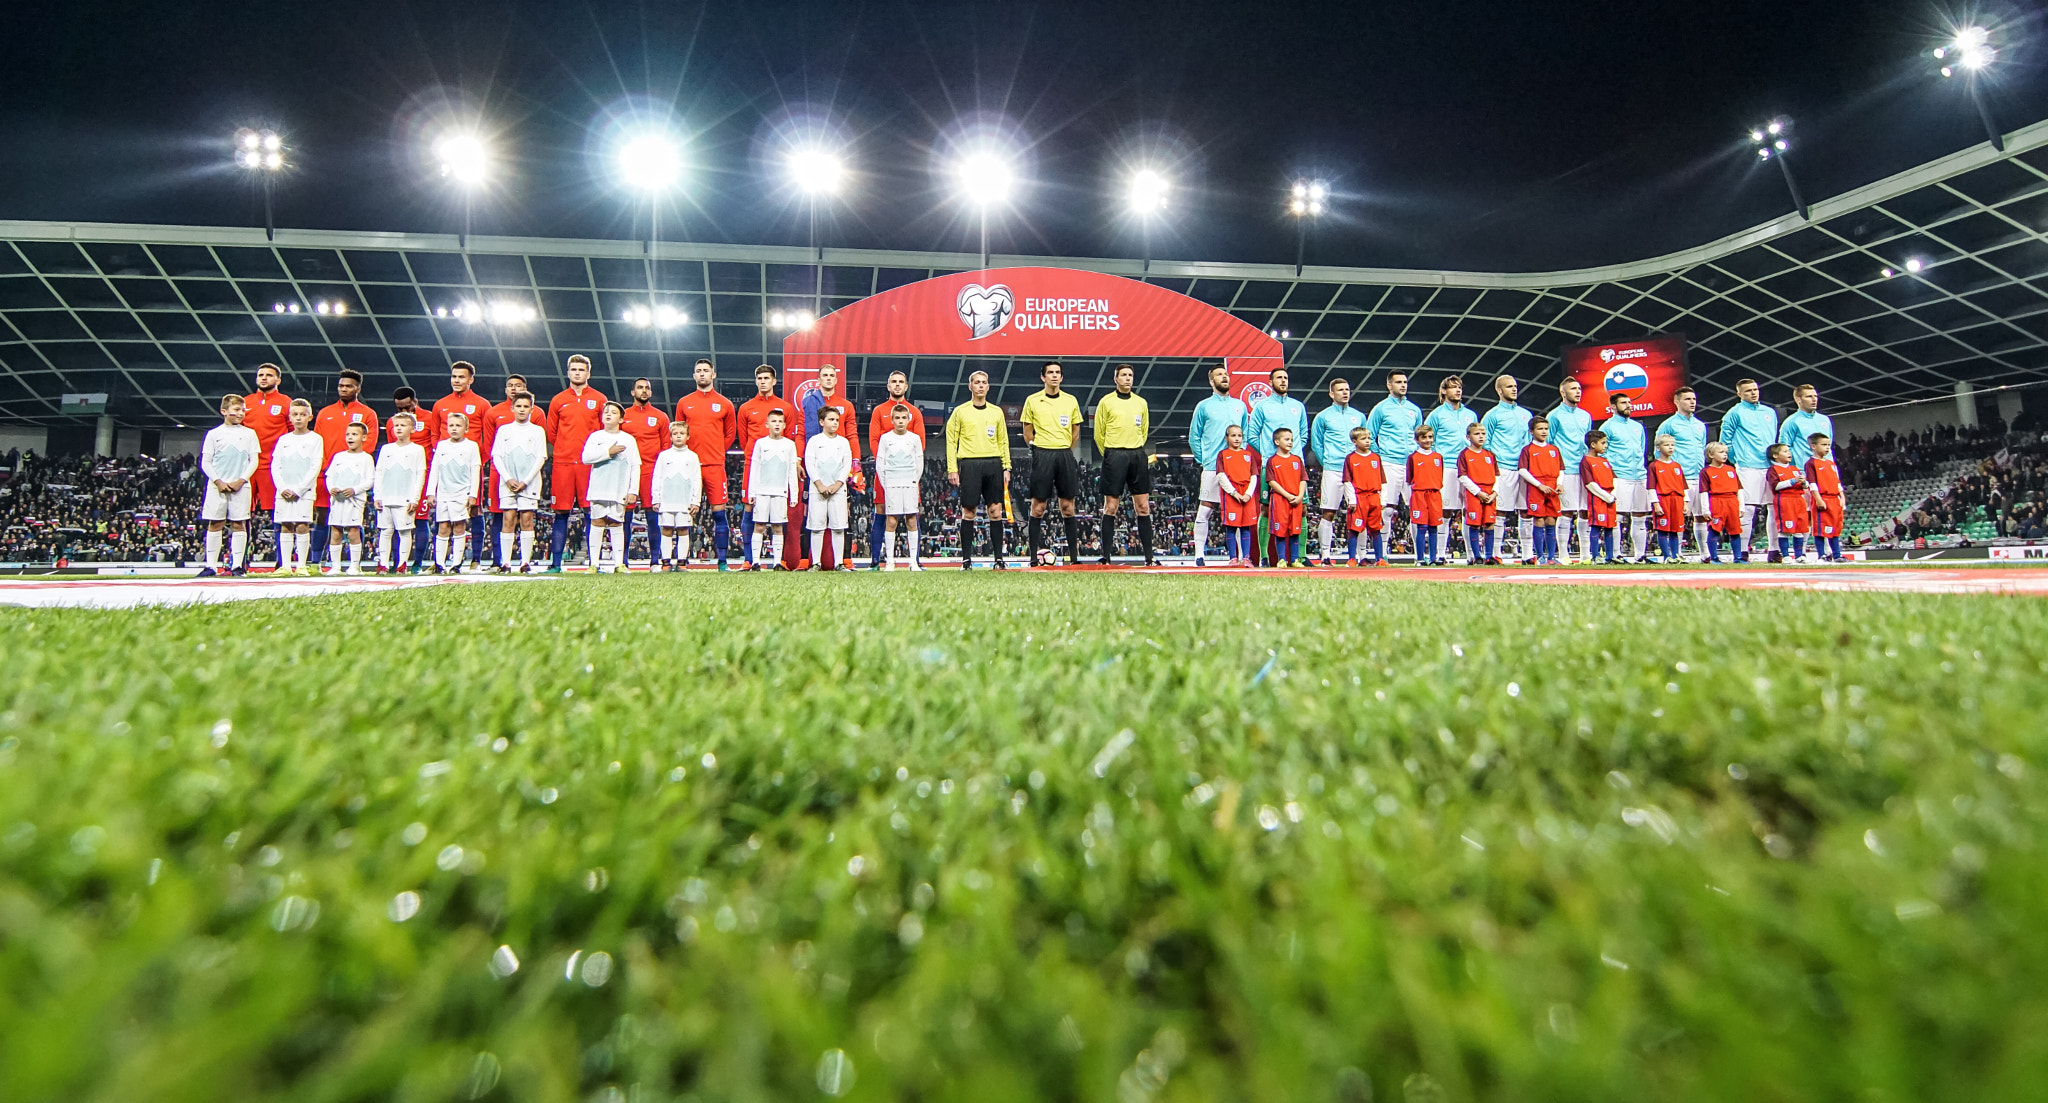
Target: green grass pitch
{"type": "Point", "coordinates": [1026, 837]}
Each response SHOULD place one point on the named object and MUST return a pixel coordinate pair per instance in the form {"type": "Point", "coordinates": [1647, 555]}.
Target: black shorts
{"type": "Point", "coordinates": [981, 481]}
{"type": "Point", "coordinates": [1054, 474]}
{"type": "Point", "coordinates": [1124, 472]}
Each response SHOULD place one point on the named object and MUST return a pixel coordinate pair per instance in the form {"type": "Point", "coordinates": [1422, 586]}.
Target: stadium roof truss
{"type": "Point", "coordinates": [165, 319]}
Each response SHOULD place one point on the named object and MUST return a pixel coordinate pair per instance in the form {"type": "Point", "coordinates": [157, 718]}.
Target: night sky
{"type": "Point", "coordinates": [1462, 135]}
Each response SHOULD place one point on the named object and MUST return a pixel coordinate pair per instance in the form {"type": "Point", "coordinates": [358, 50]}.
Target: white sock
{"type": "Point", "coordinates": [889, 547]}
{"type": "Point", "coordinates": [525, 547]}
{"type": "Point", "coordinates": [1499, 527]}
{"type": "Point", "coordinates": [1525, 534]}
{"type": "Point", "coordinates": [775, 545]}
{"type": "Point", "coordinates": [682, 547]}
{"type": "Point", "coordinates": [506, 537]}
{"type": "Point", "coordinates": [758, 539]}
{"type": "Point", "coordinates": [911, 540]}
{"type": "Point", "coordinates": [1325, 532]}
{"type": "Point", "coordinates": [213, 549]}
{"type": "Point", "coordinates": [1771, 532]}
{"type": "Point", "coordinates": [817, 545]}
{"type": "Point", "coordinates": [1202, 531]}
{"type": "Point", "coordinates": [838, 546]}
{"type": "Point", "coordinates": [1699, 537]}
{"type": "Point", "coordinates": [284, 551]}
{"type": "Point", "coordinates": [404, 548]}
{"type": "Point", "coordinates": [352, 554]}
{"type": "Point", "coordinates": [238, 548]}
{"type": "Point", "coordinates": [1387, 513]}
{"type": "Point", "coordinates": [1639, 534]}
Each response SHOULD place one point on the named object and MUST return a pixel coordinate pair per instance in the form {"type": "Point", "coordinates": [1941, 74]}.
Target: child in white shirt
{"type": "Point", "coordinates": [828, 463]}
{"type": "Point", "coordinates": [227, 457]}
{"type": "Point", "coordinates": [295, 469]}
{"type": "Point", "coordinates": [899, 468]}
{"type": "Point", "coordinates": [678, 485]}
{"type": "Point", "coordinates": [518, 452]}
{"type": "Point", "coordinates": [452, 488]}
{"type": "Point", "coordinates": [771, 483]}
{"type": "Point", "coordinates": [350, 476]}
{"type": "Point", "coordinates": [400, 477]}
{"type": "Point", "coordinates": [614, 460]}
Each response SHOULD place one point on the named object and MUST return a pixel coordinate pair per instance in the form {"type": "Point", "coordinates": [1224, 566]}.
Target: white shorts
{"type": "Point", "coordinates": [1452, 496]}
{"type": "Point", "coordinates": [899, 501]}
{"type": "Point", "coordinates": [1695, 502]}
{"type": "Point", "coordinates": [826, 513]}
{"type": "Point", "coordinates": [226, 507]}
{"type": "Point", "coordinates": [448, 510]}
{"type": "Point", "coordinates": [1631, 496]}
{"type": "Point", "coordinates": [294, 513]}
{"type": "Point", "coordinates": [1394, 487]}
{"type": "Point", "coordinates": [396, 518]}
{"type": "Point", "coordinates": [1571, 493]}
{"type": "Point", "coordinates": [1212, 488]}
{"type": "Point", "coordinates": [1332, 494]}
{"type": "Point", "coordinates": [526, 502]}
{"type": "Point", "coordinates": [1756, 486]}
{"type": "Point", "coordinates": [346, 514]}
{"type": "Point", "coordinates": [771, 509]}
{"type": "Point", "coordinates": [1511, 494]}
{"type": "Point", "coordinates": [607, 511]}
{"type": "Point", "coordinates": [676, 519]}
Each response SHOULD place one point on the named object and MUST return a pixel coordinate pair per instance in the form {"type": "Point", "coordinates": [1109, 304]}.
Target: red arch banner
{"type": "Point", "coordinates": [1030, 312]}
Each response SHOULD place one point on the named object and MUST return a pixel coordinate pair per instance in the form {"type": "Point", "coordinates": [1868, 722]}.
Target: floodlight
{"type": "Point", "coordinates": [984, 178]}
{"type": "Point", "coordinates": [816, 171]}
{"type": "Point", "coordinates": [650, 162]}
{"type": "Point", "coordinates": [1915, 264]}
{"type": "Point", "coordinates": [1147, 192]}
{"type": "Point", "coordinates": [259, 150]}
{"type": "Point", "coordinates": [1308, 196]}
{"type": "Point", "coordinates": [464, 159]}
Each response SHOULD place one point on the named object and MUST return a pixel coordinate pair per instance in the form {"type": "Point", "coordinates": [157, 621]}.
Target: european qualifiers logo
{"type": "Point", "coordinates": [1255, 392]}
{"type": "Point", "coordinates": [985, 310]}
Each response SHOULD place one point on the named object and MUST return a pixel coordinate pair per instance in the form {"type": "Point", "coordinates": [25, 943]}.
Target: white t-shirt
{"type": "Point", "coordinates": [612, 478]}
{"type": "Point", "coordinates": [401, 474]}
{"type": "Point", "coordinates": [678, 480]}
{"type": "Point", "coordinates": [351, 471]}
{"type": "Point", "coordinates": [295, 462]}
{"type": "Point", "coordinates": [518, 452]}
{"type": "Point", "coordinates": [229, 453]}
{"type": "Point", "coordinates": [772, 469]}
{"type": "Point", "coordinates": [827, 460]}
{"type": "Point", "coordinates": [458, 465]}
{"type": "Point", "coordinates": [899, 459]}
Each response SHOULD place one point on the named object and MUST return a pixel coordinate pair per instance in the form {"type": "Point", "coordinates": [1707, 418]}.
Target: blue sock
{"type": "Point", "coordinates": [875, 536]}
{"type": "Point", "coordinates": [1713, 545]}
{"type": "Point", "coordinates": [1835, 547]}
{"type": "Point", "coordinates": [558, 539]}
{"type": "Point", "coordinates": [1351, 547]}
{"type": "Point", "coordinates": [1799, 546]}
{"type": "Point", "coordinates": [721, 532]}
{"type": "Point", "coordinates": [747, 528]}
{"type": "Point", "coordinates": [1293, 549]}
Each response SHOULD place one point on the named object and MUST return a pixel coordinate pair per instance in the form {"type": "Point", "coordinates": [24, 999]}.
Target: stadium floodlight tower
{"type": "Point", "coordinates": [819, 174]}
{"type": "Point", "coordinates": [1968, 56]}
{"type": "Point", "coordinates": [650, 163]}
{"type": "Point", "coordinates": [1773, 142]}
{"type": "Point", "coordinates": [1146, 194]}
{"type": "Point", "coordinates": [263, 153]}
{"type": "Point", "coordinates": [465, 160]}
{"type": "Point", "coordinates": [984, 178]}
{"type": "Point", "coordinates": [1306, 201]}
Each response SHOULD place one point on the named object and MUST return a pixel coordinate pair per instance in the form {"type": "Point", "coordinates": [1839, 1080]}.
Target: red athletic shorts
{"type": "Point", "coordinates": [1724, 513]}
{"type": "Point", "coordinates": [1366, 514]}
{"type": "Point", "coordinates": [1479, 513]}
{"type": "Point", "coordinates": [571, 484]}
{"type": "Point", "coordinates": [1283, 517]}
{"type": "Point", "coordinates": [714, 483]}
{"type": "Point", "coordinates": [1240, 515]}
{"type": "Point", "coordinates": [1426, 507]}
{"type": "Point", "coordinates": [1539, 503]}
{"type": "Point", "coordinates": [266, 491]}
{"type": "Point", "coordinates": [1827, 517]}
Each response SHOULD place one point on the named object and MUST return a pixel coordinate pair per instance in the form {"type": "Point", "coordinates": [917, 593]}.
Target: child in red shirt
{"type": "Point", "coordinates": [1824, 479]}
{"type": "Point", "coordinates": [1364, 477]}
{"type": "Point", "coordinates": [1722, 486]}
{"type": "Point", "coordinates": [1542, 463]}
{"type": "Point", "coordinates": [1237, 468]}
{"type": "Point", "coordinates": [1284, 474]}
{"type": "Point", "coordinates": [1790, 487]}
{"type": "Point", "coordinates": [1598, 477]}
{"type": "Point", "coordinates": [1425, 496]}
{"type": "Point", "coordinates": [1667, 497]}
{"type": "Point", "coordinates": [1479, 476]}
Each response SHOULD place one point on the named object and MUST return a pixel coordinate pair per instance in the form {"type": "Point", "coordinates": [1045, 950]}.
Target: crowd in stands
{"type": "Point", "coordinates": [1892, 457]}
{"type": "Point", "coordinates": [2008, 490]}
{"type": "Point", "coordinates": [137, 509]}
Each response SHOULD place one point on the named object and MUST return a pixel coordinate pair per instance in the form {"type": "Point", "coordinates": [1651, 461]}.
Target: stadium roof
{"type": "Point", "coordinates": [167, 318]}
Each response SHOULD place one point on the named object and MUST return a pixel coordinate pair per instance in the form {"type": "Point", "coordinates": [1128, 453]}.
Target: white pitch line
{"type": "Point", "coordinates": [87, 594]}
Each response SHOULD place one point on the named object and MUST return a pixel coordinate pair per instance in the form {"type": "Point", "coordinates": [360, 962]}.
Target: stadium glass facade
{"type": "Point", "coordinates": [165, 319]}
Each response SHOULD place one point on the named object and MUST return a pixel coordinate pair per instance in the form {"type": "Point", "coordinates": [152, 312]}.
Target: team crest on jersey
{"type": "Point", "coordinates": [990, 432]}
{"type": "Point", "coordinates": [469, 407]}
{"type": "Point", "coordinates": [1063, 421]}
{"type": "Point", "coordinates": [714, 407]}
{"type": "Point", "coordinates": [590, 403]}
{"type": "Point", "coordinates": [276, 409]}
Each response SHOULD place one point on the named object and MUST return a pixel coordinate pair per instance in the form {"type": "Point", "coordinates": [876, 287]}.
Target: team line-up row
{"type": "Point", "coordinates": [315, 473]}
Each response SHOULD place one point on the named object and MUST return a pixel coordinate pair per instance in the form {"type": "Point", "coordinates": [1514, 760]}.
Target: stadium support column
{"type": "Point", "coordinates": [103, 436]}
{"type": "Point", "coordinates": [1966, 404]}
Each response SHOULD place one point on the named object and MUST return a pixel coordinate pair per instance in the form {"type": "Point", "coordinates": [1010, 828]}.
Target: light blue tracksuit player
{"type": "Point", "coordinates": [1392, 424]}
{"type": "Point", "coordinates": [1274, 412]}
{"type": "Point", "coordinates": [1749, 429]}
{"type": "Point", "coordinates": [1569, 423]}
{"type": "Point", "coordinates": [1447, 422]}
{"type": "Point", "coordinates": [1329, 440]}
{"type": "Point", "coordinates": [1690, 436]}
{"type": "Point", "coordinates": [1800, 425]}
{"type": "Point", "coordinates": [1507, 433]}
{"type": "Point", "coordinates": [1628, 446]}
{"type": "Point", "coordinates": [1207, 433]}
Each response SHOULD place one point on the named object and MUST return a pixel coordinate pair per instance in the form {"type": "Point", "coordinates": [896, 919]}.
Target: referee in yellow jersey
{"type": "Point", "coordinates": [1121, 420]}
{"type": "Point", "coordinates": [1051, 421]}
{"type": "Point", "coordinates": [978, 462]}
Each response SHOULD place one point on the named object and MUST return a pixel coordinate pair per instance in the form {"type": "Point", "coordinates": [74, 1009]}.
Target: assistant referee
{"type": "Point", "coordinates": [1050, 421]}
{"type": "Point", "coordinates": [978, 462]}
{"type": "Point", "coordinates": [1121, 420]}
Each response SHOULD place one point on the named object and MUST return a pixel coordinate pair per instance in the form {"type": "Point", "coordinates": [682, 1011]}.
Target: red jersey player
{"type": "Point", "coordinates": [1824, 481]}
{"type": "Point", "coordinates": [1284, 476]}
{"type": "Point", "coordinates": [648, 426]}
{"type": "Point", "coordinates": [475, 411]}
{"type": "Point", "coordinates": [1237, 468]}
{"type": "Point", "coordinates": [1597, 476]}
{"type": "Point", "coordinates": [332, 426]}
{"type": "Point", "coordinates": [1542, 464]}
{"type": "Point", "coordinates": [1788, 483]}
{"type": "Point", "coordinates": [1479, 478]}
{"type": "Point", "coordinates": [754, 426]}
{"type": "Point", "coordinates": [714, 427]}
{"type": "Point", "coordinates": [1721, 485]}
{"type": "Point", "coordinates": [269, 413]}
{"type": "Point", "coordinates": [1425, 472]}
{"type": "Point", "coordinates": [1667, 496]}
{"type": "Point", "coordinates": [573, 415]}
{"type": "Point", "coordinates": [1365, 476]}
